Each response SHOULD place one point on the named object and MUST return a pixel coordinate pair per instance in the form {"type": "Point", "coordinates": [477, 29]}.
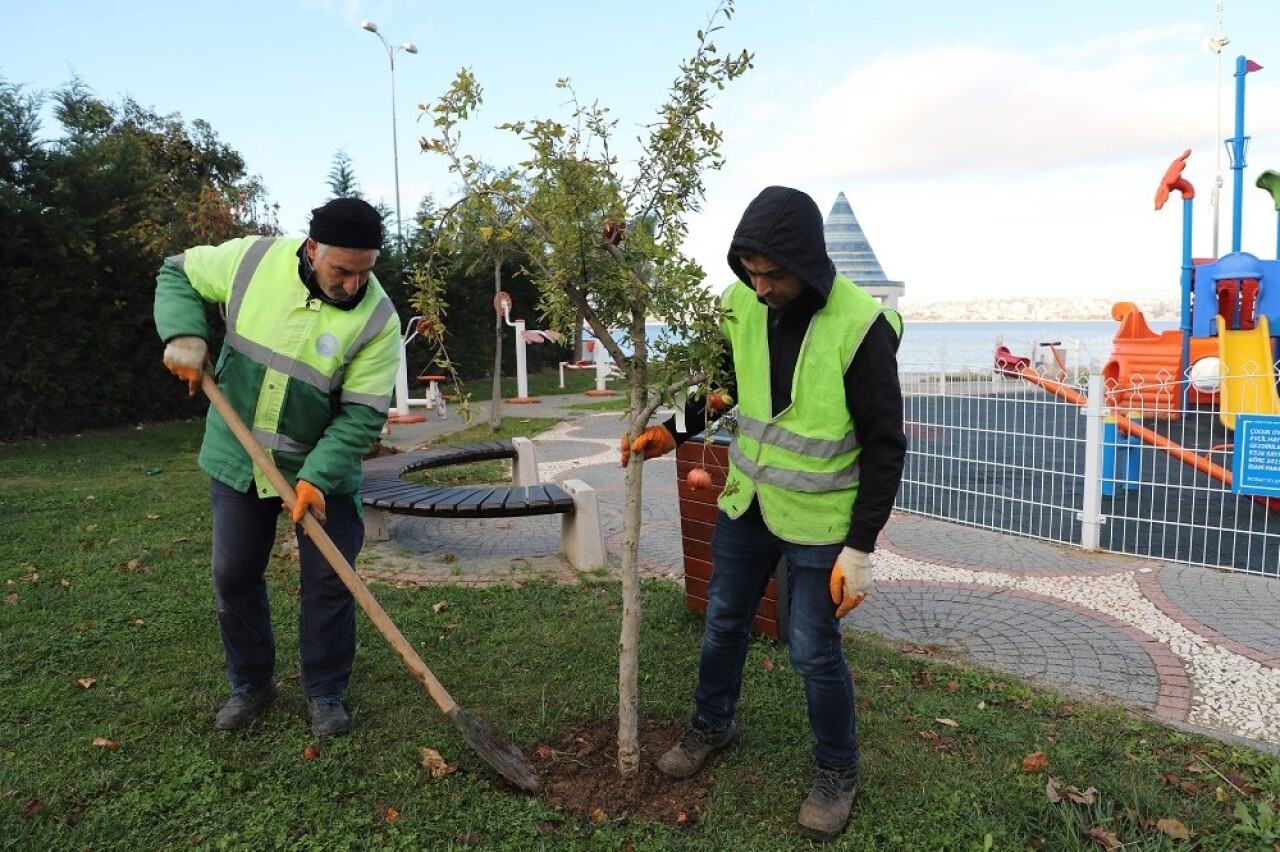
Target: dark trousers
{"type": "Point", "coordinates": [744, 553]}
{"type": "Point", "coordinates": [244, 533]}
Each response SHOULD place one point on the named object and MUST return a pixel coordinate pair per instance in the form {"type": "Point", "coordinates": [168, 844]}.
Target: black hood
{"type": "Point", "coordinates": [785, 226]}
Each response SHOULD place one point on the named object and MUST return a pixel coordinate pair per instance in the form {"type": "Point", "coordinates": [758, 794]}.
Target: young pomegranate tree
{"type": "Point", "coordinates": [605, 247]}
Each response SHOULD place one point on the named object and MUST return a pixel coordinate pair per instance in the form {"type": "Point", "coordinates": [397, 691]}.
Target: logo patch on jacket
{"type": "Point", "coordinates": [327, 345]}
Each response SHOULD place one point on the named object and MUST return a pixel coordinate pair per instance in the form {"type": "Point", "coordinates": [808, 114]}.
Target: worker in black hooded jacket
{"type": "Point", "coordinates": [813, 472]}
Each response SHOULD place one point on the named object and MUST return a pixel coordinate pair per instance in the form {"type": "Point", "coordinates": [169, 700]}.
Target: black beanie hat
{"type": "Point", "coordinates": [350, 223]}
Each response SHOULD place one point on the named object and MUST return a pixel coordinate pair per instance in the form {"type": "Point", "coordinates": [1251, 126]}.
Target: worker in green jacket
{"type": "Point", "coordinates": [309, 362]}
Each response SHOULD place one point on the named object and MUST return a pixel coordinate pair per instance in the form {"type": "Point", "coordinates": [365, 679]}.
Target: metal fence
{"type": "Point", "coordinates": [1053, 452]}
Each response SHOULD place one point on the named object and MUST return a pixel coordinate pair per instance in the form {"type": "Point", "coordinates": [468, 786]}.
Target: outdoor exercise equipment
{"type": "Point", "coordinates": [502, 305]}
{"type": "Point", "coordinates": [401, 410]}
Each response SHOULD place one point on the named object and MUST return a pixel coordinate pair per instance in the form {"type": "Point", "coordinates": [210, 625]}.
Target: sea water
{"type": "Point", "coordinates": [972, 345]}
{"type": "Point", "coordinates": [929, 346]}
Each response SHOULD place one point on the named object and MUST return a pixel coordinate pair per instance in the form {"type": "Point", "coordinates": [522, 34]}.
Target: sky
{"type": "Point", "coordinates": [990, 149]}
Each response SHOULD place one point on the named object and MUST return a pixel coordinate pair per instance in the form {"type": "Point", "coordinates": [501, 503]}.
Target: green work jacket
{"type": "Point", "coordinates": [312, 381]}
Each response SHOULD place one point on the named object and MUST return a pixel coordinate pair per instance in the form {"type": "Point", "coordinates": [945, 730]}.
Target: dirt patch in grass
{"type": "Point", "coordinates": [580, 777]}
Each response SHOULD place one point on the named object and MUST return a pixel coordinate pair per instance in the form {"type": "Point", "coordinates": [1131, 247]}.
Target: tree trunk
{"type": "Point", "coordinates": [629, 638]}
{"type": "Point", "coordinates": [495, 403]}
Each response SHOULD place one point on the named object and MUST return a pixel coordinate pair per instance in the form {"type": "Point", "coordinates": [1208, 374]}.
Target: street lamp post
{"type": "Point", "coordinates": [392, 50]}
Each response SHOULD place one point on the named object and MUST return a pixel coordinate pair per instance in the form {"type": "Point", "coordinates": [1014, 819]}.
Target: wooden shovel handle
{"type": "Point", "coordinates": [321, 539]}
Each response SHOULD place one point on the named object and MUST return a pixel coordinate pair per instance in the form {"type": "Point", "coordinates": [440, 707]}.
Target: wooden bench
{"type": "Point", "coordinates": [385, 492]}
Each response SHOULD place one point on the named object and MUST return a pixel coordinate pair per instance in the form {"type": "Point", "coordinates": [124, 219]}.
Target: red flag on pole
{"type": "Point", "coordinates": [1250, 65]}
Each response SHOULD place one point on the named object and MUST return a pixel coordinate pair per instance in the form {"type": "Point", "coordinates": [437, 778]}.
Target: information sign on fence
{"type": "Point", "coordinates": [1255, 467]}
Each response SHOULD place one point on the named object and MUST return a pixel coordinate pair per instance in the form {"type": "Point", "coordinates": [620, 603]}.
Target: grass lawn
{"type": "Point", "coordinates": [112, 669]}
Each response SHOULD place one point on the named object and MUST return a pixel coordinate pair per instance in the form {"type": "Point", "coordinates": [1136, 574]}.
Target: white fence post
{"type": "Point", "coordinates": [1091, 516]}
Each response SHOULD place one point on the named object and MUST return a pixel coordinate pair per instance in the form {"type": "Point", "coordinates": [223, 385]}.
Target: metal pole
{"type": "Point", "coordinates": [407, 47]}
{"type": "Point", "coordinates": [1239, 144]}
{"type": "Point", "coordinates": [1090, 516]}
{"type": "Point", "coordinates": [1215, 199]}
{"type": "Point", "coordinates": [395, 150]}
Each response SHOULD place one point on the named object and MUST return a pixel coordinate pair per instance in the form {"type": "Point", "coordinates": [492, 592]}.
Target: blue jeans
{"type": "Point", "coordinates": [244, 533]}
{"type": "Point", "coordinates": [744, 553]}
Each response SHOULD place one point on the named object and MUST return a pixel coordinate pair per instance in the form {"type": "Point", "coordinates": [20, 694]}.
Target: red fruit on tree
{"type": "Point", "coordinates": [719, 400]}
{"type": "Point", "coordinates": [698, 478]}
{"type": "Point", "coordinates": [614, 231]}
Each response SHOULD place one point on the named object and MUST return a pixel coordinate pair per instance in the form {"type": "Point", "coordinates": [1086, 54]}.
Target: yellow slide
{"type": "Point", "coordinates": [1248, 372]}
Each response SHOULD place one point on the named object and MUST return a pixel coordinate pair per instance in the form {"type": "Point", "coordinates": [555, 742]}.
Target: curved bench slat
{"type": "Point", "coordinates": [385, 489]}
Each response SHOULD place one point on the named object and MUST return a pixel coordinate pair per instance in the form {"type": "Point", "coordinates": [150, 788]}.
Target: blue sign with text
{"type": "Point", "coordinates": [1255, 463]}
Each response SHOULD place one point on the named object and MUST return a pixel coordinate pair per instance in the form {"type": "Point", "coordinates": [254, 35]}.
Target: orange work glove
{"type": "Point", "coordinates": [309, 497]}
{"type": "Point", "coordinates": [850, 580]}
{"type": "Point", "coordinates": [652, 442]}
{"type": "Point", "coordinates": [185, 357]}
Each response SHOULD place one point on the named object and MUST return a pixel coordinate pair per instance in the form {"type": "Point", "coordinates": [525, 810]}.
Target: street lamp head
{"type": "Point", "coordinates": [409, 47]}
{"type": "Point", "coordinates": [369, 25]}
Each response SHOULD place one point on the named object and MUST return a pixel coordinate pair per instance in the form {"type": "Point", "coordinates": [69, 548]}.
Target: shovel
{"type": "Point", "coordinates": [487, 741]}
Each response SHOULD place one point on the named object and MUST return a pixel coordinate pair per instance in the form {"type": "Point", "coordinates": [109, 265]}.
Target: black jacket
{"type": "Point", "coordinates": [785, 226]}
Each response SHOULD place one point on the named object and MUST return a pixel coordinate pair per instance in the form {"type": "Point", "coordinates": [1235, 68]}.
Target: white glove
{"type": "Point", "coordinates": [850, 580]}
{"type": "Point", "coordinates": [186, 351]}
{"type": "Point", "coordinates": [185, 357]}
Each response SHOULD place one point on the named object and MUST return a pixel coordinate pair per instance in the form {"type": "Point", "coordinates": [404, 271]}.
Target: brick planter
{"type": "Point", "coordinates": [698, 518]}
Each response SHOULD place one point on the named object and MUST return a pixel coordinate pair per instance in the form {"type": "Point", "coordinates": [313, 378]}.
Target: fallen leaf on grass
{"type": "Point", "coordinates": [939, 742]}
{"type": "Point", "coordinates": [598, 815]}
{"type": "Point", "coordinates": [152, 516]}
{"type": "Point", "coordinates": [11, 599]}
{"type": "Point", "coordinates": [386, 813]}
{"type": "Point", "coordinates": [1103, 838]}
{"type": "Point", "coordinates": [767, 665]}
{"type": "Point", "coordinates": [103, 742]}
{"type": "Point", "coordinates": [434, 763]}
{"type": "Point", "coordinates": [1174, 829]}
{"type": "Point", "coordinates": [1037, 761]}
{"type": "Point", "coordinates": [86, 682]}
{"type": "Point", "coordinates": [1074, 794]}
{"type": "Point", "coordinates": [950, 723]}
{"type": "Point", "coordinates": [437, 608]}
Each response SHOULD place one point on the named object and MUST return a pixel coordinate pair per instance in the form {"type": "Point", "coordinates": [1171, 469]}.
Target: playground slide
{"type": "Point", "coordinates": [1248, 372]}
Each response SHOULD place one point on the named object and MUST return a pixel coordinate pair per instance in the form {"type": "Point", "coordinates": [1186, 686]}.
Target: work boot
{"type": "Point", "coordinates": [824, 814]}
{"type": "Point", "coordinates": [244, 706]}
{"type": "Point", "coordinates": [697, 743]}
{"type": "Point", "coordinates": [328, 717]}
